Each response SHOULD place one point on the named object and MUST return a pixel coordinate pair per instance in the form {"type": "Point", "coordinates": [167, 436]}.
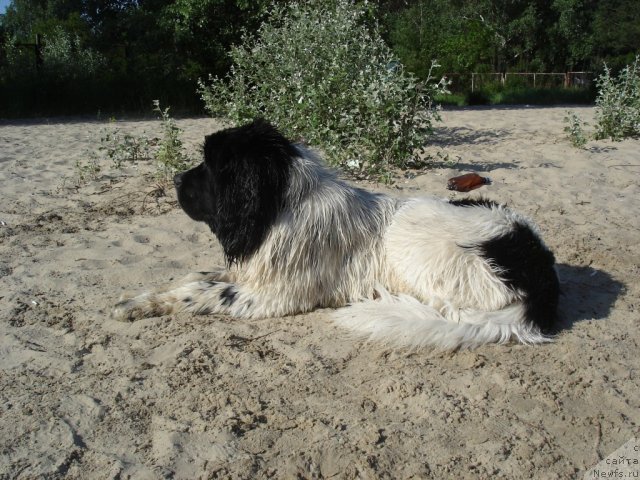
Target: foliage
{"type": "Point", "coordinates": [170, 153]}
{"type": "Point", "coordinates": [123, 148]}
{"type": "Point", "coordinates": [615, 32]}
{"type": "Point", "coordinates": [618, 103]}
{"type": "Point", "coordinates": [64, 65]}
{"type": "Point", "coordinates": [321, 71]}
{"type": "Point", "coordinates": [117, 147]}
{"type": "Point", "coordinates": [497, 94]}
{"type": "Point", "coordinates": [515, 35]}
{"type": "Point", "coordinates": [203, 31]}
{"type": "Point", "coordinates": [450, 99]}
{"type": "Point", "coordinates": [65, 58]}
{"type": "Point", "coordinates": [435, 29]}
{"type": "Point", "coordinates": [575, 130]}
{"type": "Point", "coordinates": [120, 55]}
{"type": "Point", "coordinates": [540, 96]}
{"type": "Point", "coordinates": [85, 171]}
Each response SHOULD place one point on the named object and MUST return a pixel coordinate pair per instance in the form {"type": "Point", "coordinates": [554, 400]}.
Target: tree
{"type": "Point", "coordinates": [202, 31]}
{"type": "Point", "coordinates": [151, 48]}
{"type": "Point", "coordinates": [616, 32]}
{"type": "Point", "coordinates": [503, 35]}
{"type": "Point", "coordinates": [571, 36]}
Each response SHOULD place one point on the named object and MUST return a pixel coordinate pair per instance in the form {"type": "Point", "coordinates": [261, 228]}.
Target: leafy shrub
{"type": "Point", "coordinates": [85, 171]}
{"type": "Point", "coordinates": [450, 99]}
{"type": "Point", "coordinates": [618, 103]}
{"type": "Point", "coordinates": [575, 130]}
{"type": "Point", "coordinates": [170, 154]}
{"type": "Point", "coordinates": [123, 148]}
{"type": "Point", "coordinates": [118, 147]}
{"type": "Point", "coordinates": [319, 70]}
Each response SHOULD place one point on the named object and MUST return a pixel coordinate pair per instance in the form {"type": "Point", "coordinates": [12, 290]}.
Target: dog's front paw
{"type": "Point", "coordinates": [131, 309]}
{"type": "Point", "coordinates": [217, 275]}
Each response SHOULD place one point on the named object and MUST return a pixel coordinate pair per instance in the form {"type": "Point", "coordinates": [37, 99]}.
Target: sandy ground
{"type": "Point", "coordinates": [83, 396]}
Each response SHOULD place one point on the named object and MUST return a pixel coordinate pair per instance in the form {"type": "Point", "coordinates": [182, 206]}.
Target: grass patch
{"type": "Point", "coordinates": [450, 100]}
{"type": "Point", "coordinates": [542, 96]}
{"type": "Point", "coordinates": [496, 94]}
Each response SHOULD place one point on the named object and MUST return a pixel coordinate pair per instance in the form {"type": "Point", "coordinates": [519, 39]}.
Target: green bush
{"type": "Point", "coordinates": [321, 71]}
{"type": "Point", "coordinates": [618, 103]}
{"type": "Point", "coordinates": [122, 148]}
{"type": "Point", "coordinates": [575, 130]}
{"type": "Point", "coordinates": [170, 155]}
{"type": "Point", "coordinates": [127, 149]}
{"type": "Point", "coordinates": [450, 99]}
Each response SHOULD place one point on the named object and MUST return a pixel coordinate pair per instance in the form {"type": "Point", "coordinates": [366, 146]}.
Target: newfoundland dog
{"type": "Point", "coordinates": [407, 272]}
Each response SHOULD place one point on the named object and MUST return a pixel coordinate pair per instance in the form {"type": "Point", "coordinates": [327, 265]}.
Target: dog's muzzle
{"type": "Point", "coordinates": [177, 180]}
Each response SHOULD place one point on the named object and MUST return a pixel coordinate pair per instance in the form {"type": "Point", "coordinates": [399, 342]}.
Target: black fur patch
{"type": "Point", "coordinates": [527, 267]}
{"type": "Point", "coordinates": [228, 296]}
{"type": "Point", "coordinates": [473, 202]}
{"type": "Point", "coordinates": [239, 189]}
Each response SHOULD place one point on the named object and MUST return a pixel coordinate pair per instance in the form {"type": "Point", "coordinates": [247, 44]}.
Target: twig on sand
{"type": "Point", "coordinates": [238, 340]}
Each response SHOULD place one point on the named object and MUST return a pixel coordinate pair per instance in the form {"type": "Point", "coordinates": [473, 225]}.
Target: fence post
{"type": "Point", "coordinates": [38, 51]}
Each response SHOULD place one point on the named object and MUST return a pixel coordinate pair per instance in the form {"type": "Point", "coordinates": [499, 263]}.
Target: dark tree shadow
{"type": "Point", "coordinates": [586, 294]}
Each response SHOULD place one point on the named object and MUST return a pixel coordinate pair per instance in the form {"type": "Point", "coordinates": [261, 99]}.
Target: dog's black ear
{"type": "Point", "coordinates": [250, 170]}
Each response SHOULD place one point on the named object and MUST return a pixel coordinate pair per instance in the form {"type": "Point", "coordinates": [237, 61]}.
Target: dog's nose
{"type": "Point", "coordinates": [177, 180]}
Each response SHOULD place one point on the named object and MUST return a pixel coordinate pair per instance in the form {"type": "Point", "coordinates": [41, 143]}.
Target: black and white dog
{"type": "Point", "coordinates": [409, 272]}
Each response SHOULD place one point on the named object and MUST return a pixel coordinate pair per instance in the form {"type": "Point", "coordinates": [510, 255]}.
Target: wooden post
{"type": "Point", "coordinates": [38, 52]}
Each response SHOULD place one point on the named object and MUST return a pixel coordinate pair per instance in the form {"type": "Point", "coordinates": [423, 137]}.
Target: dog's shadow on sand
{"type": "Point", "coordinates": [586, 294]}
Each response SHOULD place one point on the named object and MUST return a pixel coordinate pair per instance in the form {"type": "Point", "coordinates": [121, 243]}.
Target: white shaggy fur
{"type": "Point", "coordinates": [406, 271]}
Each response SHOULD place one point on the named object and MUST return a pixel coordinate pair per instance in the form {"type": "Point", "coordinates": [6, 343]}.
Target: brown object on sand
{"type": "Point", "coordinates": [467, 182]}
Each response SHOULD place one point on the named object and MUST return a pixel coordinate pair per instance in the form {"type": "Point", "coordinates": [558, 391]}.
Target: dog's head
{"type": "Point", "coordinates": [240, 187]}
